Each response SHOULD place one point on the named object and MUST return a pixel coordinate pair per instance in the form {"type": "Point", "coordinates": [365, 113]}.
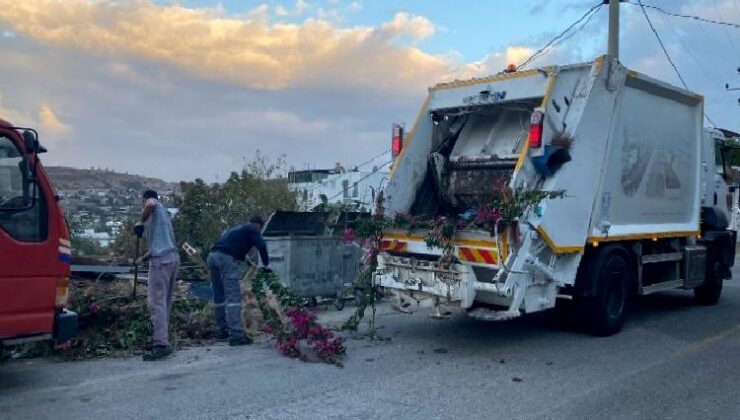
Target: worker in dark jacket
{"type": "Point", "coordinates": [233, 246]}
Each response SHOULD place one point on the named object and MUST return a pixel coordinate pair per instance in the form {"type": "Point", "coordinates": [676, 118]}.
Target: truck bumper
{"type": "Point", "coordinates": [429, 283]}
{"type": "Point", "coordinates": [65, 325]}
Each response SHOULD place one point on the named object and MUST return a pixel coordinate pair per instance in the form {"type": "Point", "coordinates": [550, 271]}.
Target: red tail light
{"type": "Point", "coordinates": [535, 129]}
{"type": "Point", "coordinates": [397, 142]}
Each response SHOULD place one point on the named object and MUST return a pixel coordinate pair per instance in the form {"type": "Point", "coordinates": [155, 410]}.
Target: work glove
{"type": "Point", "coordinates": [139, 230]}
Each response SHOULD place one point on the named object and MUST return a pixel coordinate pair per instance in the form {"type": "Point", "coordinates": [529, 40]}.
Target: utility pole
{"type": "Point", "coordinates": [730, 88]}
{"type": "Point", "coordinates": [613, 47]}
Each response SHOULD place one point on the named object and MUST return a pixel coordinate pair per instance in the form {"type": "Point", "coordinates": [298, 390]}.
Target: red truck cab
{"type": "Point", "coordinates": [35, 248]}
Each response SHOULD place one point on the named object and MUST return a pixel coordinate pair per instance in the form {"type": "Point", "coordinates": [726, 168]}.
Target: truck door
{"type": "Point", "coordinates": [28, 258]}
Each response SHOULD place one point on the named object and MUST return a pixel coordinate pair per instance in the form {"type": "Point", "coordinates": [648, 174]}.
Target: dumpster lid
{"type": "Point", "coordinates": [284, 223]}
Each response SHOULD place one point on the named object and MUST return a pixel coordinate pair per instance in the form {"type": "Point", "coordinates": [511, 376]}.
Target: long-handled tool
{"type": "Point", "coordinates": [138, 231]}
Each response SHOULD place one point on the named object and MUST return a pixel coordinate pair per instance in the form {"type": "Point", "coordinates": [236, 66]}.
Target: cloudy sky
{"type": "Point", "coordinates": [193, 88]}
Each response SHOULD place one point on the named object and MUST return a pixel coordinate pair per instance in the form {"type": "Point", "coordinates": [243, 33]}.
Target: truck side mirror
{"type": "Point", "coordinates": [32, 142]}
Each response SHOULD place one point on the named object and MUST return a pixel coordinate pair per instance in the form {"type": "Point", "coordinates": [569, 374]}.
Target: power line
{"type": "Point", "coordinates": [586, 22]}
{"type": "Point", "coordinates": [360, 180]}
{"type": "Point", "coordinates": [662, 46]}
{"type": "Point", "coordinates": [710, 75]}
{"type": "Point", "coordinates": [727, 31]}
{"type": "Point", "coordinates": [697, 18]}
{"type": "Point", "coordinates": [667, 55]}
{"type": "Point", "coordinates": [588, 15]}
{"type": "Point", "coordinates": [374, 158]}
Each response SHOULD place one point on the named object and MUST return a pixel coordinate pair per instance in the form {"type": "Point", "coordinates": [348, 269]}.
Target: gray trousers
{"type": "Point", "coordinates": [161, 285]}
{"type": "Point", "coordinates": [227, 293]}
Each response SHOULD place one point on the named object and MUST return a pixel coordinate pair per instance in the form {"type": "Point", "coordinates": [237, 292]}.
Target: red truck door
{"type": "Point", "coordinates": [29, 245]}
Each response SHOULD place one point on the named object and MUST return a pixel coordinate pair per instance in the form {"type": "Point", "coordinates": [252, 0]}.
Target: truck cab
{"type": "Point", "coordinates": [35, 248]}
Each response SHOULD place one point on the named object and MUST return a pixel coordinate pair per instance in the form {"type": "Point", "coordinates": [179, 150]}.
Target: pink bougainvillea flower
{"type": "Point", "coordinates": [93, 308]}
{"type": "Point", "coordinates": [348, 236]}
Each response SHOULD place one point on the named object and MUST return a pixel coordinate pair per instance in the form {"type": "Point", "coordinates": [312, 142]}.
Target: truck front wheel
{"type": "Point", "coordinates": [709, 292]}
{"type": "Point", "coordinates": [604, 313]}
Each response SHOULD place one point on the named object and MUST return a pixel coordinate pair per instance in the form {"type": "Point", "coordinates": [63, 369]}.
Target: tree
{"type": "Point", "coordinates": [206, 210]}
{"type": "Point", "coordinates": [124, 247]}
{"type": "Point", "coordinates": [82, 247]}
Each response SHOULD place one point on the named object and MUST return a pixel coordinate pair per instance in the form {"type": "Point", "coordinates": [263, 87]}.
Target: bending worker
{"type": "Point", "coordinates": [233, 246]}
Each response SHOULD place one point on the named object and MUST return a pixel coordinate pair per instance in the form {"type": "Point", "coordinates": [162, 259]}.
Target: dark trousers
{"type": "Point", "coordinates": [227, 293]}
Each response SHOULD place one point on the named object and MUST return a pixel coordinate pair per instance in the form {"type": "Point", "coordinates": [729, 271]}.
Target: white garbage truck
{"type": "Point", "coordinates": [646, 205]}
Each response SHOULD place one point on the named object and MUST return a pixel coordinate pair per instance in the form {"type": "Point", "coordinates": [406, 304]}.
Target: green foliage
{"type": "Point", "coordinates": [368, 296]}
{"type": "Point", "coordinates": [124, 247]}
{"type": "Point", "coordinates": [113, 324]}
{"type": "Point", "coordinates": [512, 207]}
{"type": "Point", "coordinates": [206, 210]}
{"type": "Point", "coordinates": [82, 246]}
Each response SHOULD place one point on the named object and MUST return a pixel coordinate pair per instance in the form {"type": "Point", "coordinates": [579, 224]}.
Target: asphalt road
{"type": "Point", "coordinates": [673, 360]}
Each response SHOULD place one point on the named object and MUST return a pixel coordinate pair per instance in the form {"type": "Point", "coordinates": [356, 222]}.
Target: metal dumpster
{"type": "Point", "coordinates": [309, 261]}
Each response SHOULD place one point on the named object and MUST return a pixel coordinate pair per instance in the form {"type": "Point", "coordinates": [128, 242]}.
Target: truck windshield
{"type": "Point", "coordinates": [11, 175]}
{"type": "Point", "coordinates": [18, 218]}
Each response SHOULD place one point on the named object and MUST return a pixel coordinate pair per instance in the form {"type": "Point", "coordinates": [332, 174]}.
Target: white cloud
{"type": "Point", "coordinates": [44, 121]}
{"type": "Point", "coordinates": [281, 11]}
{"type": "Point", "coordinates": [50, 124]}
{"type": "Point", "coordinates": [249, 51]}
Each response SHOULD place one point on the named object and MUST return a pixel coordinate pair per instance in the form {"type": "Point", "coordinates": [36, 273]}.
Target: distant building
{"type": "Point", "coordinates": [338, 185]}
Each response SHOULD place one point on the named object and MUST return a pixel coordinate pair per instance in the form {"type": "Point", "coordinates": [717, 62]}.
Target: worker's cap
{"type": "Point", "coordinates": [257, 220]}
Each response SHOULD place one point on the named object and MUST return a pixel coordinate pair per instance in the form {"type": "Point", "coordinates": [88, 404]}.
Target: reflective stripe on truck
{"type": "Point", "coordinates": [473, 252]}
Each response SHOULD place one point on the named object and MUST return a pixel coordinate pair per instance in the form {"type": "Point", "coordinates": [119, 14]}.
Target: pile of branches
{"type": "Point", "coordinates": [294, 328]}
{"type": "Point", "coordinates": [114, 324]}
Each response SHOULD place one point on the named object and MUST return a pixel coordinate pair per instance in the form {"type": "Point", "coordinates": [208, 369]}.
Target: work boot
{"type": "Point", "coordinates": [222, 335]}
{"type": "Point", "coordinates": [240, 341]}
{"type": "Point", "coordinates": [157, 353]}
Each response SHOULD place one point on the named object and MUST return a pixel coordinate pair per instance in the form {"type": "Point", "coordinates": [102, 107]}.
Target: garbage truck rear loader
{"type": "Point", "coordinates": [646, 203]}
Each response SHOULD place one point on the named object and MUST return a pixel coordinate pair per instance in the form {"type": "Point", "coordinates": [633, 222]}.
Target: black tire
{"type": "Point", "coordinates": [605, 312]}
{"type": "Point", "coordinates": [339, 304]}
{"type": "Point", "coordinates": [710, 292]}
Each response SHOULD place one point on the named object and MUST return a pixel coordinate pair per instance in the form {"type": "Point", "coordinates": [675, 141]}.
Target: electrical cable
{"type": "Point", "coordinates": [586, 22]}
{"type": "Point", "coordinates": [360, 180]}
{"type": "Point", "coordinates": [668, 56]}
{"type": "Point", "coordinates": [727, 31]}
{"type": "Point", "coordinates": [374, 158]}
{"type": "Point", "coordinates": [710, 75]}
{"type": "Point", "coordinates": [697, 18]}
{"type": "Point", "coordinates": [585, 16]}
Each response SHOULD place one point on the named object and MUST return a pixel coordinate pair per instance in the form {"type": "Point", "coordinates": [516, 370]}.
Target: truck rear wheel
{"type": "Point", "coordinates": [604, 313]}
{"type": "Point", "coordinates": [709, 292]}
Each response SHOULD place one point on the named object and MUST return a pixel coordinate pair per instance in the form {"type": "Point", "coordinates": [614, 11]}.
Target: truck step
{"type": "Point", "coordinates": [659, 287]}
{"type": "Point", "coordinates": [660, 258]}
{"type": "Point", "coordinates": [485, 314]}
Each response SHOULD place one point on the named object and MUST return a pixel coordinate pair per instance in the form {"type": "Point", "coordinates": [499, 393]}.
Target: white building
{"type": "Point", "coordinates": [339, 186]}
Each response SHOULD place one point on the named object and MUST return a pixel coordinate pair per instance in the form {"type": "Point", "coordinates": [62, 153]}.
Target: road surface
{"type": "Point", "coordinates": [673, 360]}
